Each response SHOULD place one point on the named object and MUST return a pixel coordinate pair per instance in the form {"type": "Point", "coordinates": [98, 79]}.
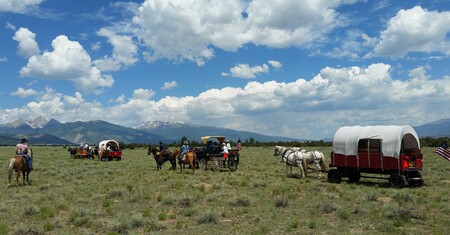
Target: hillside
{"type": "Point", "coordinates": [440, 128]}
{"type": "Point", "coordinates": [54, 132]}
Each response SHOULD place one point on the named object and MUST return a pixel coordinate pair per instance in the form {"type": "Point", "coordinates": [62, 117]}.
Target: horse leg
{"type": "Point", "coordinates": [193, 168]}
{"type": "Point", "coordinates": [28, 178]}
{"type": "Point", "coordinates": [174, 164]}
{"type": "Point", "coordinates": [319, 169]}
{"type": "Point", "coordinates": [23, 178]}
{"type": "Point", "coordinates": [10, 172]}
{"type": "Point", "coordinates": [17, 177]}
{"type": "Point", "coordinates": [302, 171]}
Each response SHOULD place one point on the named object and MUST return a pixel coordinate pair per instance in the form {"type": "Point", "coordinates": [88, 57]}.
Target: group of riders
{"type": "Point", "coordinates": [226, 146]}
{"type": "Point", "coordinates": [22, 149]}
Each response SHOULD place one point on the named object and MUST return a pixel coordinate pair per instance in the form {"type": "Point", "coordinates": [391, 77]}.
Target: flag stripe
{"type": "Point", "coordinates": [445, 153]}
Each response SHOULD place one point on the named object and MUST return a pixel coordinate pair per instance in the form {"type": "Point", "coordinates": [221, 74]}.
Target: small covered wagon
{"type": "Point", "coordinates": [210, 155]}
{"type": "Point", "coordinates": [109, 149]}
{"type": "Point", "coordinates": [387, 150]}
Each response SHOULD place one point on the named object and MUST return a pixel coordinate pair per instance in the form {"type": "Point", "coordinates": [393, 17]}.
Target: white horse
{"type": "Point", "coordinates": [281, 149]}
{"type": "Point", "coordinates": [314, 157]}
{"type": "Point", "coordinates": [300, 157]}
{"type": "Point", "coordinates": [291, 157]}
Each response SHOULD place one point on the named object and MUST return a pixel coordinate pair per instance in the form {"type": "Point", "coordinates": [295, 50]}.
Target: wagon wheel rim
{"type": "Point", "coordinates": [397, 180]}
{"type": "Point", "coordinates": [216, 165]}
{"type": "Point", "coordinates": [202, 164]}
{"type": "Point", "coordinates": [334, 176]}
{"type": "Point", "coordinates": [232, 166]}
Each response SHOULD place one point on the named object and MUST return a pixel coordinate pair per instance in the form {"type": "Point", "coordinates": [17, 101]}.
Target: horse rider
{"type": "Point", "coordinates": [209, 146]}
{"type": "Point", "coordinates": [184, 150]}
{"type": "Point", "coordinates": [22, 150]}
{"type": "Point", "coordinates": [239, 144]}
{"type": "Point", "coordinates": [162, 148]}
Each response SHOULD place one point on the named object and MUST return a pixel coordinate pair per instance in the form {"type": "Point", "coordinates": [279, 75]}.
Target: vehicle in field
{"type": "Point", "coordinates": [387, 150]}
{"type": "Point", "coordinates": [211, 154]}
{"type": "Point", "coordinates": [109, 149]}
{"type": "Point", "coordinates": [81, 153]}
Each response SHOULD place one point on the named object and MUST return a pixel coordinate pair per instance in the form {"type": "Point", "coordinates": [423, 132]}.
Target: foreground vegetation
{"type": "Point", "coordinates": [79, 196]}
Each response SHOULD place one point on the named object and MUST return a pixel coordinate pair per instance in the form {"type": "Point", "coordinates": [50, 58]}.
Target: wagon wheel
{"type": "Point", "coordinates": [334, 176]}
{"type": "Point", "coordinates": [216, 165]}
{"type": "Point", "coordinates": [232, 165]}
{"type": "Point", "coordinates": [354, 176]}
{"type": "Point", "coordinates": [397, 180]}
{"type": "Point", "coordinates": [202, 164]}
{"type": "Point", "coordinates": [417, 181]}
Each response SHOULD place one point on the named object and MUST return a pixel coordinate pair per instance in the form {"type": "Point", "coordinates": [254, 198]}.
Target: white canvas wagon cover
{"type": "Point", "coordinates": [346, 139]}
{"type": "Point", "coordinates": [113, 143]}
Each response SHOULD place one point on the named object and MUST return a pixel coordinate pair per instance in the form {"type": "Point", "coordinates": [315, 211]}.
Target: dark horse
{"type": "Point", "coordinates": [166, 156]}
{"type": "Point", "coordinates": [72, 151]}
{"type": "Point", "coordinates": [20, 165]}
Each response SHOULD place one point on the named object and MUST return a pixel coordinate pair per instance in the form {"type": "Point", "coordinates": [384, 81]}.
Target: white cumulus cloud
{"type": "Point", "coordinates": [18, 6]}
{"type": "Point", "coordinates": [415, 30]}
{"type": "Point", "coordinates": [189, 30]}
{"type": "Point", "coordinates": [245, 71]}
{"type": "Point", "coordinates": [124, 51]}
{"type": "Point", "coordinates": [27, 43]}
{"type": "Point", "coordinates": [143, 94]}
{"type": "Point", "coordinates": [169, 85]}
{"type": "Point", "coordinates": [24, 93]}
{"type": "Point", "coordinates": [67, 61]}
{"type": "Point", "coordinates": [275, 64]}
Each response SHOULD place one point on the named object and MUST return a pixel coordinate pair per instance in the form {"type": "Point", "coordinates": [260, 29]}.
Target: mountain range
{"type": "Point", "coordinates": [41, 130]}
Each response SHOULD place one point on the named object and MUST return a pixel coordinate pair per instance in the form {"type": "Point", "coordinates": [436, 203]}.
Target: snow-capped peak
{"type": "Point", "coordinates": [157, 124]}
{"type": "Point", "coordinates": [38, 122]}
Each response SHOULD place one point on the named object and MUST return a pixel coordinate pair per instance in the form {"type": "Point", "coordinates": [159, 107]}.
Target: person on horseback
{"type": "Point", "coordinates": [22, 150]}
{"type": "Point", "coordinates": [184, 150]}
{"type": "Point", "coordinates": [162, 149]}
{"type": "Point", "coordinates": [239, 144]}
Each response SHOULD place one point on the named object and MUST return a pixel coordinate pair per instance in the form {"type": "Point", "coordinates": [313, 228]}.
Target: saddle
{"type": "Point", "coordinates": [24, 157]}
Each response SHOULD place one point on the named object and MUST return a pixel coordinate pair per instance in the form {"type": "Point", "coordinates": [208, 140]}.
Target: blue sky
{"type": "Point", "coordinates": [300, 69]}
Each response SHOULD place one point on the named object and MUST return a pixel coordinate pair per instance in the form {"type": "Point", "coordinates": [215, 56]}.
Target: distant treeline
{"type": "Point", "coordinates": [424, 142]}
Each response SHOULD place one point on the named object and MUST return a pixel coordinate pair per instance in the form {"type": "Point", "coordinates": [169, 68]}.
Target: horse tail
{"type": "Point", "coordinates": [12, 162]}
{"type": "Point", "coordinates": [323, 165]}
{"type": "Point", "coordinates": [305, 166]}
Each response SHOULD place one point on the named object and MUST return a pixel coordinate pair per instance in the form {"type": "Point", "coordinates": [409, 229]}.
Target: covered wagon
{"type": "Point", "coordinates": [110, 150]}
{"type": "Point", "coordinates": [388, 150]}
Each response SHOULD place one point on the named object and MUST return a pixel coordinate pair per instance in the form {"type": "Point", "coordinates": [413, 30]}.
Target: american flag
{"type": "Point", "coordinates": [443, 151]}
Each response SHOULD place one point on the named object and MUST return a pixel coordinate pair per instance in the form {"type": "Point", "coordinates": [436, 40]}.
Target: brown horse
{"type": "Point", "coordinates": [19, 164]}
{"type": "Point", "coordinates": [166, 156]}
{"type": "Point", "coordinates": [188, 159]}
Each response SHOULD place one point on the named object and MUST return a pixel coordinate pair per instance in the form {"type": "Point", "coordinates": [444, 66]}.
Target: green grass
{"type": "Point", "coordinates": [79, 196]}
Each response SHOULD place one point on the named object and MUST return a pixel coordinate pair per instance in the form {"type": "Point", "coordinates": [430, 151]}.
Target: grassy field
{"type": "Point", "coordinates": [79, 196]}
